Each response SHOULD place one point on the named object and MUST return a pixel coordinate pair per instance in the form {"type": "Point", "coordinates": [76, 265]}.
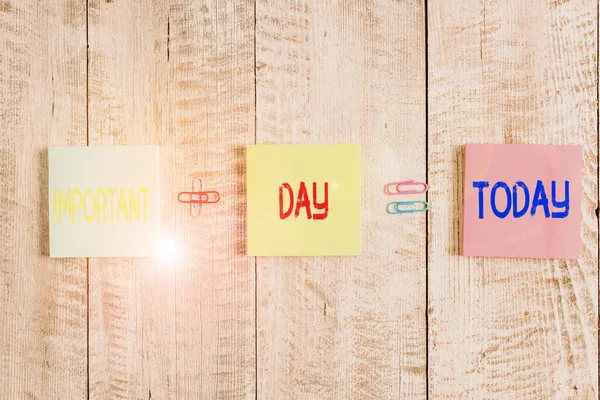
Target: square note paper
{"type": "Point", "coordinates": [103, 201]}
{"type": "Point", "coordinates": [522, 201]}
{"type": "Point", "coordinates": [303, 200]}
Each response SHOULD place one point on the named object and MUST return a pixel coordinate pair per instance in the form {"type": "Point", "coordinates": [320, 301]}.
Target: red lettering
{"type": "Point", "coordinates": [303, 201]}
{"type": "Point", "coordinates": [285, 215]}
{"type": "Point", "coordinates": [321, 206]}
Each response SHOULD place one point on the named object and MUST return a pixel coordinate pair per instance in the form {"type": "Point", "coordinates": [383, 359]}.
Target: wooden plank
{"type": "Point", "coordinates": [346, 72]}
{"type": "Point", "coordinates": [179, 75]}
{"type": "Point", "coordinates": [510, 72]}
{"type": "Point", "coordinates": [211, 98]}
{"type": "Point", "coordinates": [132, 301]}
{"type": "Point", "coordinates": [43, 331]}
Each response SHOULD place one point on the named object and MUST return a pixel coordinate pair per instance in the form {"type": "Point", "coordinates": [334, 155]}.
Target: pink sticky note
{"type": "Point", "coordinates": [522, 201]}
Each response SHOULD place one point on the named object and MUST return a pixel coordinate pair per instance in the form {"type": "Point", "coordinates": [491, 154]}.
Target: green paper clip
{"type": "Point", "coordinates": [392, 208]}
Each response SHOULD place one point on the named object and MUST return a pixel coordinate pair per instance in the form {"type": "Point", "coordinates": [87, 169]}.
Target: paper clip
{"type": "Point", "coordinates": [397, 186]}
{"type": "Point", "coordinates": [396, 210]}
{"type": "Point", "coordinates": [197, 197]}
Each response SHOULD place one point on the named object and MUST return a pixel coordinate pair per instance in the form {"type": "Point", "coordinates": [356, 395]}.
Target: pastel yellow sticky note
{"type": "Point", "coordinates": [303, 200]}
{"type": "Point", "coordinates": [103, 201]}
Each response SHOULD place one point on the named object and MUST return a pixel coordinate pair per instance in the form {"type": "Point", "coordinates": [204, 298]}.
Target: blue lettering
{"type": "Point", "coordinates": [560, 204]}
{"type": "Point", "coordinates": [519, 213]}
{"type": "Point", "coordinates": [481, 185]}
{"type": "Point", "coordinates": [540, 199]}
{"type": "Point", "coordinates": [560, 208]}
{"type": "Point", "coordinates": [504, 213]}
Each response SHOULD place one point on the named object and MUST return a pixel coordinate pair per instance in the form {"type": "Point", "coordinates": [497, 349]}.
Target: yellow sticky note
{"type": "Point", "coordinates": [303, 200]}
{"type": "Point", "coordinates": [103, 201]}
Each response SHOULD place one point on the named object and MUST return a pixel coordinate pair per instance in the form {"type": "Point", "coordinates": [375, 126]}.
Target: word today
{"type": "Point", "coordinates": [303, 201]}
{"type": "Point", "coordinates": [519, 209]}
{"type": "Point", "coordinates": [106, 205]}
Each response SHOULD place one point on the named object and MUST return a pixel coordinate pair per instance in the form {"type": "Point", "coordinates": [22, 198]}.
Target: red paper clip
{"type": "Point", "coordinates": [397, 186]}
{"type": "Point", "coordinates": [197, 197]}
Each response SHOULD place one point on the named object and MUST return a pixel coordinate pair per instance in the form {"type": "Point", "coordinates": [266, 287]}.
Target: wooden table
{"type": "Point", "coordinates": [411, 82]}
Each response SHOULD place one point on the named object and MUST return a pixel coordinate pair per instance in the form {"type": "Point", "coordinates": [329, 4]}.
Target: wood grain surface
{"type": "Point", "coordinates": [181, 76]}
{"type": "Point", "coordinates": [131, 300]}
{"type": "Point", "coordinates": [346, 328]}
{"type": "Point", "coordinates": [411, 81]}
{"type": "Point", "coordinates": [43, 311]}
{"type": "Point", "coordinates": [510, 72]}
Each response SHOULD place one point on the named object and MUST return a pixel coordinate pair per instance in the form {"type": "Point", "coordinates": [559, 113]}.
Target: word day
{"type": "Point", "coordinates": [101, 205]}
{"type": "Point", "coordinates": [521, 191]}
{"type": "Point", "coordinates": [303, 201]}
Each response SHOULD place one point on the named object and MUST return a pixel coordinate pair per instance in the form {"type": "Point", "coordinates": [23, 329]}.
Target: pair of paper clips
{"type": "Point", "coordinates": [197, 197]}
{"type": "Point", "coordinates": [403, 188]}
